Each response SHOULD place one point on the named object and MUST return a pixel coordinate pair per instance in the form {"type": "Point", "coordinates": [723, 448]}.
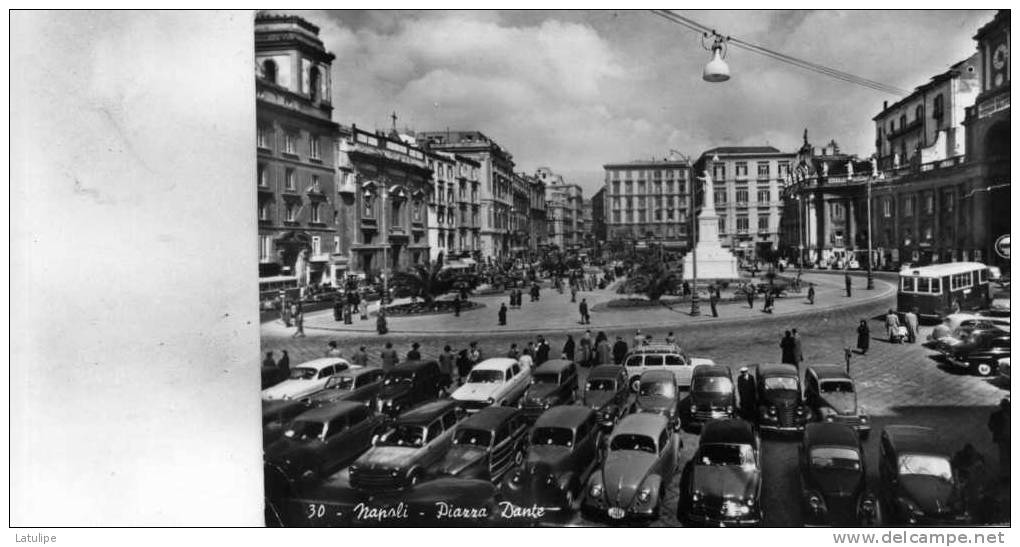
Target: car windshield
{"type": "Point", "coordinates": [781, 382]}
{"type": "Point", "coordinates": [303, 373]}
{"type": "Point", "coordinates": [635, 361]}
{"type": "Point", "coordinates": [835, 457]}
{"type": "Point", "coordinates": [473, 437]}
{"type": "Point", "coordinates": [601, 385]}
{"type": "Point", "coordinates": [629, 441]}
{"type": "Point", "coordinates": [305, 430]}
{"type": "Point", "coordinates": [402, 435]}
{"type": "Point", "coordinates": [342, 383]}
{"type": "Point", "coordinates": [712, 384]}
{"type": "Point", "coordinates": [545, 378]}
{"type": "Point", "coordinates": [399, 378]}
{"type": "Point", "coordinates": [558, 436]}
{"type": "Point", "coordinates": [726, 454]}
{"type": "Point", "coordinates": [838, 386]}
{"type": "Point", "coordinates": [660, 389]}
{"type": "Point", "coordinates": [485, 376]}
{"type": "Point", "coordinates": [925, 464]}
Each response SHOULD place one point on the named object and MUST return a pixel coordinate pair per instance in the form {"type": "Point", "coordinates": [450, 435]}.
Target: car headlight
{"type": "Point", "coordinates": [729, 409]}
{"type": "Point", "coordinates": [800, 411]}
{"type": "Point", "coordinates": [516, 477]}
{"type": "Point", "coordinates": [694, 408]}
{"type": "Point", "coordinates": [772, 411]}
{"type": "Point", "coordinates": [490, 400]}
{"type": "Point", "coordinates": [596, 490]}
{"type": "Point", "coordinates": [816, 503]}
{"type": "Point", "coordinates": [830, 418]}
{"type": "Point", "coordinates": [644, 495]}
{"type": "Point", "coordinates": [864, 419]}
{"type": "Point", "coordinates": [696, 497]}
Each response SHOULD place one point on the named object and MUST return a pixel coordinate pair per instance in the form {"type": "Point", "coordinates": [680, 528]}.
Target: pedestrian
{"type": "Point", "coordinates": [513, 353]}
{"type": "Point", "coordinates": [846, 281]}
{"type": "Point", "coordinates": [474, 353]}
{"type": "Point", "coordinates": [713, 300]}
{"type": "Point", "coordinates": [541, 350]}
{"type": "Point", "coordinates": [998, 424]}
{"type": "Point", "coordinates": [619, 350]}
{"type": "Point", "coordinates": [603, 353]}
{"type": "Point", "coordinates": [284, 365]}
{"type": "Point", "coordinates": [285, 312]}
{"type": "Point", "coordinates": [670, 338]}
{"type": "Point", "coordinates": [573, 293]}
{"type": "Point", "coordinates": [583, 308]}
{"type": "Point", "coordinates": [389, 357]}
{"type": "Point", "coordinates": [787, 345]}
{"type": "Point", "coordinates": [587, 348]}
{"type": "Point", "coordinates": [456, 306]}
{"type": "Point", "coordinates": [811, 293]}
{"type": "Point", "coordinates": [414, 354]}
{"type": "Point", "coordinates": [686, 289]}
{"type": "Point", "coordinates": [892, 325]}
{"type": "Point", "coordinates": [360, 357]}
{"type": "Point", "coordinates": [363, 306]}
{"type": "Point", "coordinates": [968, 463]}
{"type": "Point", "coordinates": [299, 322]}
{"type": "Point", "coordinates": [526, 360]}
{"type": "Point", "coordinates": [447, 362]}
{"type": "Point", "coordinates": [639, 339]}
{"type": "Point", "coordinates": [380, 321]}
{"type": "Point", "coordinates": [332, 350]}
{"type": "Point", "coordinates": [529, 350]}
{"type": "Point", "coordinates": [568, 348]}
{"type": "Point", "coordinates": [747, 394]}
{"type": "Point", "coordinates": [798, 348]}
{"type": "Point", "coordinates": [955, 306]}
{"type": "Point", "coordinates": [910, 319]}
{"type": "Point", "coordinates": [750, 295]}
{"type": "Point", "coordinates": [338, 309]}
{"type": "Point", "coordinates": [502, 314]}
{"type": "Point", "coordinates": [767, 308]}
{"type": "Point", "coordinates": [464, 365]}
{"type": "Point", "coordinates": [863, 337]}
{"type": "Point", "coordinates": [269, 361]}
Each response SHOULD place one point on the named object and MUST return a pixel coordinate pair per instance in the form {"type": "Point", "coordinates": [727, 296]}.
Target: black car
{"type": "Point", "coordinates": [357, 384]}
{"type": "Point", "coordinates": [919, 484]}
{"type": "Point", "coordinates": [781, 405]}
{"type": "Point", "coordinates": [832, 396]}
{"type": "Point", "coordinates": [832, 477]}
{"type": "Point", "coordinates": [486, 445]}
{"type": "Point", "coordinates": [721, 484]}
{"type": "Point", "coordinates": [277, 415]}
{"type": "Point", "coordinates": [658, 393]}
{"type": "Point", "coordinates": [562, 452]}
{"type": "Point", "coordinates": [410, 384]}
{"type": "Point", "coordinates": [607, 391]}
{"type": "Point", "coordinates": [980, 352]}
{"type": "Point", "coordinates": [712, 397]}
{"type": "Point", "coordinates": [552, 383]}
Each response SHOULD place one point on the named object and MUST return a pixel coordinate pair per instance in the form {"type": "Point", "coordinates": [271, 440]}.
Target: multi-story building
{"type": "Point", "coordinates": [586, 236]}
{"type": "Point", "coordinates": [385, 188]}
{"type": "Point", "coordinates": [520, 215]}
{"type": "Point", "coordinates": [563, 203]}
{"type": "Point", "coordinates": [746, 184]}
{"type": "Point", "coordinates": [598, 217]}
{"type": "Point", "coordinates": [539, 220]}
{"type": "Point", "coordinates": [297, 200]}
{"type": "Point", "coordinates": [648, 201]}
{"type": "Point", "coordinates": [454, 209]}
{"type": "Point", "coordinates": [495, 175]}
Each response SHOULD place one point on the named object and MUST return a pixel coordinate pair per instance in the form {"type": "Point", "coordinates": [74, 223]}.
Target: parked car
{"type": "Point", "coordinates": [272, 376]}
{"type": "Point", "coordinates": [356, 384]}
{"type": "Point", "coordinates": [486, 445]}
{"type": "Point", "coordinates": [964, 334]}
{"type": "Point", "coordinates": [781, 405]}
{"type": "Point", "coordinates": [642, 455]}
{"type": "Point", "coordinates": [721, 484]}
{"type": "Point", "coordinates": [1004, 369]}
{"type": "Point", "coordinates": [919, 484]}
{"type": "Point", "coordinates": [306, 378]}
{"type": "Point", "coordinates": [415, 441]}
{"type": "Point", "coordinates": [277, 415]}
{"type": "Point", "coordinates": [658, 393]}
{"type": "Point", "coordinates": [950, 325]}
{"type": "Point", "coordinates": [497, 381]}
{"type": "Point", "coordinates": [981, 352]}
{"type": "Point", "coordinates": [321, 440]}
{"type": "Point", "coordinates": [410, 384]}
{"type": "Point", "coordinates": [662, 357]}
{"type": "Point", "coordinates": [713, 396]}
{"type": "Point", "coordinates": [607, 391]}
{"type": "Point", "coordinates": [832, 397]}
{"type": "Point", "coordinates": [562, 452]}
{"type": "Point", "coordinates": [552, 383]}
{"type": "Point", "coordinates": [467, 502]}
{"type": "Point", "coordinates": [833, 478]}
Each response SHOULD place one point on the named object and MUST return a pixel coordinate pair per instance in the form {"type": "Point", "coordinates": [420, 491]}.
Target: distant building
{"type": "Point", "coordinates": [746, 184]}
{"type": "Point", "coordinates": [648, 201]}
{"type": "Point", "coordinates": [539, 218]}
{"type": "Point", "coordinates": [598, 217]}
{"type": "Point", "coordinates": [454, 208]}
{"type": "Point", "coordinates": [563, 210]}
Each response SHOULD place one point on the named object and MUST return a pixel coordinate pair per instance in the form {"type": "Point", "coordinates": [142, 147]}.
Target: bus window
{"type": "Point", "coordinates": [983, 276]}
{"type": "Point", "coordinates": [960, 281]}
{"type": "Point", "coordinates": [923, 284]}
{"type": "Point", "coordinates": [936, 286]}
{"type": "Point", "coordinates": [906, 284]}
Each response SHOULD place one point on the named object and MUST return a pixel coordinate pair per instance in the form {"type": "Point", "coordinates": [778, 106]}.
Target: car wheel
{"type": "Point", "coordinates": [983, 369]}
{"type": "Point", "coordinates": [568, 499]}
{"type": "Point", "coordinates": [635, 384]}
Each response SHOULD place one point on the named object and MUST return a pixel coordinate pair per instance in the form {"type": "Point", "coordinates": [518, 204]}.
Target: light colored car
{"type": "Point", "coordinates": [662, 357]}
{"type": "Point", "coordinates": [306, 378]}
{"type": "Point", "coordinates": [954, 321]}
{"type": "Point", "coordinates": [496, 381]}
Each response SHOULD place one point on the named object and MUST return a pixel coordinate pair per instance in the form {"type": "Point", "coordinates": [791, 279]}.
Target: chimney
{"type": "Point", "coordinates": [885, 105]}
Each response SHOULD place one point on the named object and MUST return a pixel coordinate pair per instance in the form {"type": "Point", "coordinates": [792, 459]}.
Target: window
{"type": "Point", "coordinates": [265, 248]}
{"type": "Point", "coordinates": [982, 276]}
{"type": "Point", "coordinates": [263, 178]}
{"type": "Point", "coordinates": [947, 201]}
{"type": "Point", "coordinates": [742, 225]}
{"type": "Point", "coordinates": [263, 136]}
{"type": "Point", "coordinates": [763, 196]}
{"type": "Point", "coordinates": [719, 172]}
{"type": "Point", "coordinates": [836, 210]}
{"type": "Point", "coordinates": [722, 225]}
{"type": "Point", "coordinates": [316, 245]}
{"type": "Point", "coordinates": [616, 216]}
{"type": "Point", "coordinates": [923, 284]}
{"type": "Point", "coordinates": [742, 196]}
{"type": "Point", "coordinates": [289, 182]}
{"type": "Point", "coordinates": [315, 212]}
{"type": "Point", "coordinates": [960, 281]}
{"type": "Point", "coordinates": [763, 169]}
{"type": "Point", "coordinates": [336, 244]}
{"type": "Point", "coordinates": [908, 206]}
{"type": "Point", "coordinates": [741, 169]}
{"type": "Point", "coordinates": [367, 209]}
{"type": "Point", "coordinates": [315, 187]}
{"type": "Point", "coordinates": [630, 187]}
{"type": "Point", "coordinates": [784, 169]}
{"type": "Point", "coordinates": [269, 70]}
{"type": "Point", "coordinates": [929, 203]}
{"type": "Point", "coordinates": [903, 121]}
{"type": "Point", "coordinates": [919, 113]}
{"type": "Point", "coordinates": [290, 143]}
{"type": "Point", "coordinates": [616, 187]}
{"type": "Point", "coordinates": [763, 223]}
{"type": "Point", "coordinates": [264, 211]}
{"type": "Point", "coordinates": [720, 197]}
{"type": "Point", "coordinates": [290, 213]}
{"type": "Point", "coordinates": [313, 148]}
{"type": "Point", "coordinates": [887, 207]}
{"type": "Point", "coordinates": [416, 211]}
{"type": "Point", "coordinates": [907, 284]}
{"type": "Point", "coordinates": [938, 107]}
{"type": "Point", "coordinates": [669, 187]}
{"type": "Point", "coordinates": [313, 84]}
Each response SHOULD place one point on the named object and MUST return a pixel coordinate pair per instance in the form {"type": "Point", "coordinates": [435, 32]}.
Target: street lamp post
{"type": "Point", "coordinates": [695, 309]}
{"type": "Point", "coordinates": [800, 230]}
{"type": "Point", "coordinates": [871, 277]}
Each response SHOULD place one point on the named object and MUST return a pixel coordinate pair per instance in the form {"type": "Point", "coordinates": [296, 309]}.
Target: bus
{"type": "Point", "coordinates": [933, 289]}
{"type": "Point", "coordinates": [270, 289]}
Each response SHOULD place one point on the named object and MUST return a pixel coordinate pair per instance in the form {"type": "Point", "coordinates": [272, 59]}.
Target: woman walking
{"type": "Point", "coordinates": [568, 348]}
{"type": "Point", "coordinates": [863, 337]}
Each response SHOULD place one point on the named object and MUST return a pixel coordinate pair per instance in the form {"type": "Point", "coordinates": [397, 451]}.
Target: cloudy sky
{"type": "Point", "coordinates": [573, 90]}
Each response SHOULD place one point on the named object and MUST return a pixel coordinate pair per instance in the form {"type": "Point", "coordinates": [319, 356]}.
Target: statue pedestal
{"type": "Point", "coordinates": [714, 261]}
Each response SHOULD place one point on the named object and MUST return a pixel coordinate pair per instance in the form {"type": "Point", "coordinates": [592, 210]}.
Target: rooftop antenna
{"type": "Point", "coordinates": [393, 116]}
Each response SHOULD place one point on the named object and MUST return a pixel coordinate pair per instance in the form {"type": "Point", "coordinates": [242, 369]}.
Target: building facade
{"type": "Point", "coordinates": [539, 218]}
{"type": "Point", "coordinates": [746, 184]}
{"type": "Point", "coordinates": [564, 213]}
{"type": "Point", "coordinates": [496, 174]}
{"type": "Point", "coordinates": [297, 199]}
{"type": "Point", "coordinates": [648, 200]}
{"type": "Point", "coordinates": [598, 217]}
{"type": "Point", "coordinates": [454, 222]}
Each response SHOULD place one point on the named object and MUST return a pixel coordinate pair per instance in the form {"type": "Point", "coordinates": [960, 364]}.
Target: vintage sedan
{"type": "Point", "coordinates": [721, 484]}
{"type": "Point", "coordinates": [980, 353]}
{"type": "Point", "coordinates": [409, 384]}
{"type": "Point", "coordinates": [552, 383]}
{"type": "Point", "coordinates": [357, 384]}
{"type": "Point", "coordinates": [662, 357]}
{"type": "Point", "coordinates": [562, 452]}
{"type": "Point", "coordinates": [277, 415]}
{"type": "Point", "coordinates": [306, 378]}
{"type": "Point", "coordinates": [642, 456]}
{"type": "Point", "coordinates": [956, 321]}
{"type": "Point", "coordinates": [832, 477]}
{"type": "Point", "coordinates": [712, 397]}
{"type": "Point", "coordinates": [919, 484]}
{"type": "Point", "coordinates": [323, 440]}
{"type": "Point", "coordinates": [410, 445]}
{"type": "Point", "coordinates": [607, 391]}
{"type": "Point", "coordinates": [832, 396]}
{"type": "Point", "coordinates": [658, 393]}
{"type": "Point", "coordinates": [497, 381]}
{"type": "Point", "coordinates": [781, 405]}
{"type": "Point", "coordinates": [486, 445]}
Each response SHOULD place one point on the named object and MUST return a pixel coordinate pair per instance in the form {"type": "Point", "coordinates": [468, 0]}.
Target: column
{"type": "Point", "coordinates": [851, 225]}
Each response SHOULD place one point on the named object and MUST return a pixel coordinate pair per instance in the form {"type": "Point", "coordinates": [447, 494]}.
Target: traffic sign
{"type": "Point", "coordinates": [1002, 246]}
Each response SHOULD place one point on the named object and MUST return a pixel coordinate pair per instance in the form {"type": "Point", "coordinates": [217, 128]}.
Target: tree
{"type": "Point", "coordinates": [429, 280]}
{"type": "Point", "coordinates": [652, 280]}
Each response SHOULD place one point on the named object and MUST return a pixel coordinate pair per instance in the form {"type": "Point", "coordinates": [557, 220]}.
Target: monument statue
{"type": "Point", "coordinates": [714, 261]}
{"type": "Point", "coordinates": [825, 168]}
{"type": "Point", "coordinates": [849, 169]}
{"type": "Point", "coordinates": [709, 191]}
{"type": "Point", "coordinates": [874, 166]}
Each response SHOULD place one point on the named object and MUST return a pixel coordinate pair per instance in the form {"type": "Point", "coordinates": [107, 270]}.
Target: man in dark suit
{"type": "Point", "coordinates": [619, 350]}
